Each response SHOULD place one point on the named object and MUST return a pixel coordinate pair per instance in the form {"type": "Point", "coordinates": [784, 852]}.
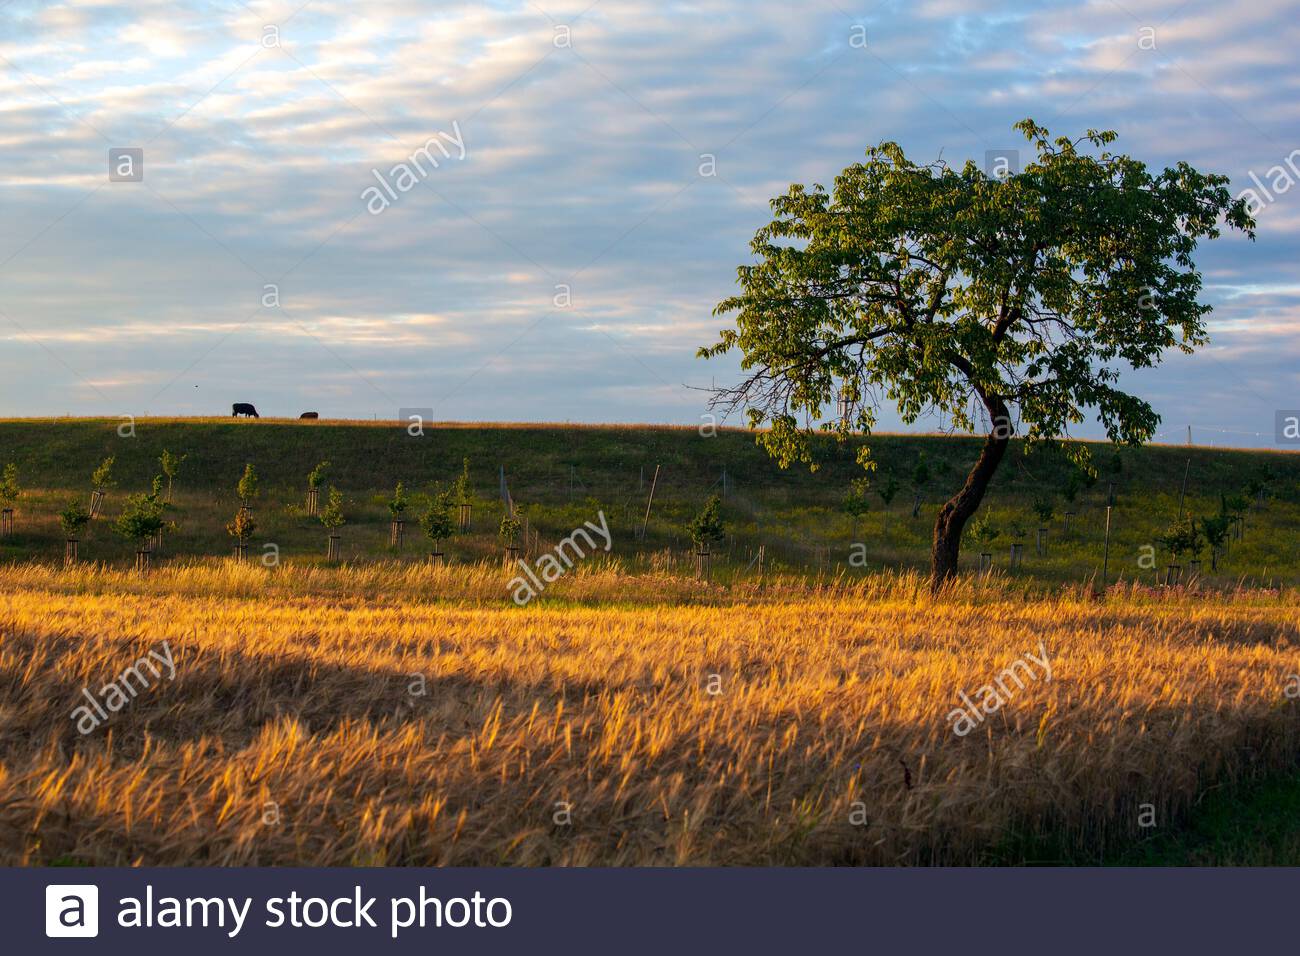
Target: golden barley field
{"type": "Point", "coordinates": [407, 715]}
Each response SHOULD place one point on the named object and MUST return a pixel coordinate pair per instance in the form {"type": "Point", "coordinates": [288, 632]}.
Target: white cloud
{"type": "Point", "coordinates": [577, 160]}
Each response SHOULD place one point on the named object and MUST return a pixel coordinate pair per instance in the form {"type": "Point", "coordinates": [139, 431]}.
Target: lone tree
{"type": "Point", "coordinates": [1011, 302]}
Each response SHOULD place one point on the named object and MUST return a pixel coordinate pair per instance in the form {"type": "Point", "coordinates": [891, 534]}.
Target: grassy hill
{"type": "Point", "coordinates": [562, 475]}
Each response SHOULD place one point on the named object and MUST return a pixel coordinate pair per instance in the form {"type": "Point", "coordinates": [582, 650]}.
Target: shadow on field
{"type": "Point", "coordinates": [228, 694]}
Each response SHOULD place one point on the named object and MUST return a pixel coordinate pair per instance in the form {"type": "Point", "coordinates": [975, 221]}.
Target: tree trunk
{"type": "Point", "coordinates": [954, 514]}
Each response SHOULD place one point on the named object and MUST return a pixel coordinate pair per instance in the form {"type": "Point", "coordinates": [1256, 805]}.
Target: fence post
{"type": "Point", "coordinates": [1183, 494]}
{"type": "Point", "coordinates": [649, 502]}
{"type": "Point", "coordinates": [1105, 559]}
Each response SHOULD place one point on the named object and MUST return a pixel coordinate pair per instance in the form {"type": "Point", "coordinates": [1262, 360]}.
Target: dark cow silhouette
{"type": "Point", "coordinates": [243, 408]}
{"type": "Point", "coordinates": [311, 415]}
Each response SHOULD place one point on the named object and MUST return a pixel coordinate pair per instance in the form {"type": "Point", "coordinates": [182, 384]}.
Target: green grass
{"type": "Point", "coordinates": [563, 474]}
{"type": "Point", "coordinates": [1258, 825]}
{"type": "Point", "coordinates": [1252, 824]}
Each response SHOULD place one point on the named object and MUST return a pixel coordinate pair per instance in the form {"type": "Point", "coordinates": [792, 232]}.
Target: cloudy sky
{"type": "Point", "coordinates": [246, 266]}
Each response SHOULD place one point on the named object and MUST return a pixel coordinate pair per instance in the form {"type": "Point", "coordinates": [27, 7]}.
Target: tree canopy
{"type": "Point", "coordinates": [1008, 306]}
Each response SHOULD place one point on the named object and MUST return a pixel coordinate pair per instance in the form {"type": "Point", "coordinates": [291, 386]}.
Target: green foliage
{"type": "Point", "coordinates": [856, 503]}
{"type": "Point", "coordinates": [933, 284]}
{"type": "Point", "coordinates": [102, 478]}
{"type": "Point", "coordinates": [141, 518]}
{"type": "Point", "coordinates": [73, 519]}
{"type": "Point", "coordinates": [1014, 300]}
{"type": "Point", "coordinates": [332, 515]}
{"type": "Point", "coordinates": [707, 527]}
{"type": "Point", "coordinates": [1215, 528]}
{"type": "Point", "coordinates": [983, 530]}
{"type": "Point", "coordinates": [1257, 488]}
{"type": "Point", "coordinates": [1080, 479]}
{"type": "Point", "coordinates": [247, 487]}
{"type": "Point", "coordinates": [436, 522]}
{"type": "Point", "coordinates": [461, 488]}
{"type": "Point", "coordinates": [397, 504]}
{"type": "Point", "coordinates": [1044, 509]}
{"type": "Point", "coordinates": [1234, 506]}
{"type": "Point", "coordinates": [171, 464]}
{"type": "Point", "coordinates": [508, 531]}
{"type": "Point", "coordinates": [1016, 530]}
{"type": "Point", "coordinates": [888, 491]}
{"type": "Point", "coordinates": [10, 489]}
{"type": "Point", "coordinates": [242, 527]}
{"type": "Point", "coordinates": [317, 475]}
{"type": "Point", "coordinates": [920, 473]}
{"type": "Point", "coordinates": [1182, 537]}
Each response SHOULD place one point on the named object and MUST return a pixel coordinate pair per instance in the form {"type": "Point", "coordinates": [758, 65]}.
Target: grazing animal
{"type": "Point", "coordinates": [243, 408]}
{"type": "Point", "coordinates": [310, 415]}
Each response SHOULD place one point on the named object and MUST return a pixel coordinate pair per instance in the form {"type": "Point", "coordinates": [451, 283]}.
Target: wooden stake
{"type": "Point", "coordinates": [702, 562]}
{"type": "Point", "coordinates": [649, 502]}
{"type": "Point", "coordinates": [1105, 560]}
{"type": "Point", "coordinates": [1186, 471]}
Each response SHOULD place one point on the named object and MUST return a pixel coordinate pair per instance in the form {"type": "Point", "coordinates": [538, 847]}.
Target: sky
{"type": "Point", "coordinates": [592, 175]}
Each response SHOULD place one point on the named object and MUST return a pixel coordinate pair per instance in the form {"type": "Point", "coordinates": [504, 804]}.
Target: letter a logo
{"type": "Point", "coordinates": [71, 910]}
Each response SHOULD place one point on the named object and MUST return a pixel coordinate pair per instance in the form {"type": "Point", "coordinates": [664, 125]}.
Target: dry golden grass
{"type": "Point", "coordinates": [290, 735]}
